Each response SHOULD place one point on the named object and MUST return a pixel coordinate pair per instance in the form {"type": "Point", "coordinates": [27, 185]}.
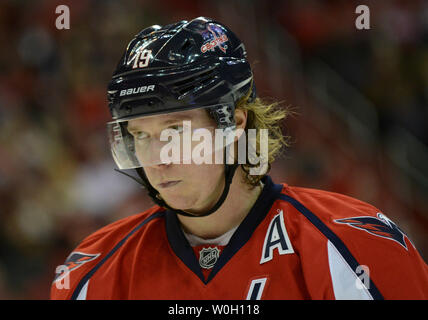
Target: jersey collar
{"type": "Point", "coordinates": [258, 212]}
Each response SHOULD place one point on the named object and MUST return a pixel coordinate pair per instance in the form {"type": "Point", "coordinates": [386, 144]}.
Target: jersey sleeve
{"type": "Point", "coordinates": [76, 265]}
{"type": "Point", "coordinates": [72, 277]}
{"type": "Point", "coordinates": [387, 264]}
{"type": "Point", "coordinates": [350, 250]}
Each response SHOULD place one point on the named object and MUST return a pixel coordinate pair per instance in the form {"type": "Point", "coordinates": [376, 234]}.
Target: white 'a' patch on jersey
{"type": "Point", "coordinates": [276, 238]}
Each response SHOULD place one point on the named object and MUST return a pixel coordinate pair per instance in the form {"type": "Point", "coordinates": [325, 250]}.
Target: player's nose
{"type": "Point", "coordinates": [162, 166]}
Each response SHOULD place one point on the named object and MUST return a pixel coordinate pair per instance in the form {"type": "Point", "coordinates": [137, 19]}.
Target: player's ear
{"type": "Point", "coordinates": [240, 121]}
{"type": "Point", "coordinates": [241, 118]}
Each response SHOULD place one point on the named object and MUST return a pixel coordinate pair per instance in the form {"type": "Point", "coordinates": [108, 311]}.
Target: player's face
{"type": "Point", "coordinates": [191, 187]}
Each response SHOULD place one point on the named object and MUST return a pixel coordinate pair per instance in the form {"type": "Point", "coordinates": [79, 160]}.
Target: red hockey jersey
{"type": "Point", "coordinates": [295, 243]}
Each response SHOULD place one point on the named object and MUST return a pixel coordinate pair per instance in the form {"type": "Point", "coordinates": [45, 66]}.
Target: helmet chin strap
{"type": "Point", "coordinates": [154, 194]}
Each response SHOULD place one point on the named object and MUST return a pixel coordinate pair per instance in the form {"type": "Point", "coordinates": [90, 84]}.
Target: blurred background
{"type": "Point", "coordinates": [361, 128]}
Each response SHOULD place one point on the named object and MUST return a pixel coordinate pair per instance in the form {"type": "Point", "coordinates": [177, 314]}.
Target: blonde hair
{"type": "Point", "coordinates": [262, 114]}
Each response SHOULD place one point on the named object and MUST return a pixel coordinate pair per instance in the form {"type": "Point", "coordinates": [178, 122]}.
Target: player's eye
{"type": "Point", "coordinates": [174, 129]}
{"type": "Point", "coordinates": [140, 135]}
{"type": "Point", "coordinates": [177, 127]}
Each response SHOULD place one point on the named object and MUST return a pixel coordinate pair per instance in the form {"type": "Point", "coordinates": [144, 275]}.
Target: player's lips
{"type": "Point", "coordinates": [168, 184]}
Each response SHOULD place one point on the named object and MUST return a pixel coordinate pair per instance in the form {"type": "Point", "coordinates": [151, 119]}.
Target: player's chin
{"type": "Point", "coordinates": [177, 201]}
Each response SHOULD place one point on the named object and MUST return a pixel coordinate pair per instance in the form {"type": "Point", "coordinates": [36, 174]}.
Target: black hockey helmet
{"type": "Point", "coordinates": [177, 67]}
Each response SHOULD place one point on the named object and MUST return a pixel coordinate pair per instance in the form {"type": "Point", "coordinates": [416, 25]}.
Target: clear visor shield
{"type": "Point", "coordinates": [184, 137]}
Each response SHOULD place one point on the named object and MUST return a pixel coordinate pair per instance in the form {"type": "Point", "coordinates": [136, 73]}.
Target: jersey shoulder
{"type": "Point", "coordinates": [327, 205]}
{"type": "Point", "coordinates": [115, 231]}
{"type": "Point", "coordinates": [94, 248]}
{"type": "Point", "coordinates": [354, 234]}
{"type": "Point", "coordinates": [339, 216]}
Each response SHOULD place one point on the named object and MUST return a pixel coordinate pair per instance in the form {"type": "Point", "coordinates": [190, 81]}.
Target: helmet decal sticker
{"type": "Point", "coordinates": [142, 59]}
{"type": "Point", "coordinates": [214, 37]}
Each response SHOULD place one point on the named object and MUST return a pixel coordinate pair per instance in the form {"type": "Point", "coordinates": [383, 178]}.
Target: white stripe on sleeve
{"type": "Point", "coordinates": [346, 284]}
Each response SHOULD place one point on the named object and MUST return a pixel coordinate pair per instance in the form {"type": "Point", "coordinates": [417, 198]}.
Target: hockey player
{"type": "Point", "coordinates": [224, 229]}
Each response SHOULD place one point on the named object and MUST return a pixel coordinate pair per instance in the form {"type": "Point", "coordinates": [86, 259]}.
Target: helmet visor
{"type": "Point", "coordinates": [182, 137]}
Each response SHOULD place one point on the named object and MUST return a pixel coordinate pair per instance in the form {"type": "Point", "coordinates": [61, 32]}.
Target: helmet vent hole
{"type": "Point", "coordinates": [186, 45]}
{"type": "Point", "coordinates": [187, 85]}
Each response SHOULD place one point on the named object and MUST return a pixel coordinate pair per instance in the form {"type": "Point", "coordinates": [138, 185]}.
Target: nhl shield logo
{"type": "Point", "coordinates": [208, 257]}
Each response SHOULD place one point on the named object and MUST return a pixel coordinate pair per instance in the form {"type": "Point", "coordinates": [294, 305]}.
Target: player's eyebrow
{"type": "Point", "coordinates": [175, 119]}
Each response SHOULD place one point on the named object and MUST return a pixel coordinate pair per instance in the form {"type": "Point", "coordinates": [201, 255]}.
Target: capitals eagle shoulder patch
{"type": "Point", "coordinates": [380, 226]}
{"type": "Point", "coordinates": [74, 261]}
